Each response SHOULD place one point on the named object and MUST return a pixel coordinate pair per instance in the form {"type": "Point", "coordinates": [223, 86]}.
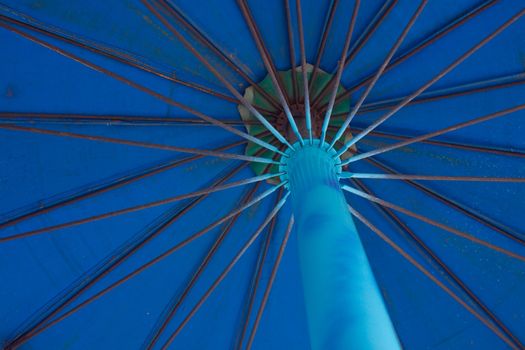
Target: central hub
{"type": "Point", "coordinates": [310, 163]}
{"type": "Point", "coordinates": [258, 97]}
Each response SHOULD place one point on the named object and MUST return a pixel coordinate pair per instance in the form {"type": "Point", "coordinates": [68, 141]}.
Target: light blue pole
{"type": "Point", "coordinates": [344, 307]}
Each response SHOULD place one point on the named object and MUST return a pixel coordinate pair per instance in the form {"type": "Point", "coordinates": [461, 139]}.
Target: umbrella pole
{"type": "Point", "coordinates": [343, 303]}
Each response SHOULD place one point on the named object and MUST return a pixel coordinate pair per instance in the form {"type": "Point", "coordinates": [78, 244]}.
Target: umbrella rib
{"type": "Point", "coordinates": [69, 118]}
{"type": "Point", "coordinates": [114, 261]}
{"type": "Point", "coordinates": [105, 187]}
{"type": "Point", "coordinates": [334, 83]}
{"type": "Point", "coordinates": [265, 54]}
{"type": "Point", "coordinates": [113, 184]}
{"type": "Point", "coordinates": [456, 145]}
{"type": "Point", "coordinates": [291, 48]}
{"type": "Point", "coordinates": [109, 53]}
{"type": "Point", "coordinates": [488, 222]}
{"type": "Point", "coordinates": [176, 303]}
{"type": "Point", "coordinates": [141, 87]}
{"type": "Point", "coordinates": [140, 207]}
{"type": "Point", "coordinates": [270, 66]}
{"type": "Point", "coordinates": [322, 44]}
{"type": "Point", "coordinates": [440, 75]}
{"type": "Point", "coordinates": [443, 131]}
{"type": "Point", "coordinates": [306, 90]}
{"type": "Point", "coordinates": [451, 92]}
{"type": "Point", "coordinates": [169, 316]}
{"type": "Point", "coordinates": [380, 71]}
{"type": "Point", "coordinates": [455, 23]}
{"type": "Point", "coordinates": [356, 47]}
{"type": "Point", "coordinates": [216, 73]}
{"type": "Point", "coordinates": [434, 279]}
{"type": "Point", "coordinates": [143, 267]}
{"type": "Point", "coordinates": [257, 277]}
{"type": "Point", "coordinates": [374, 176]}
{"type": "Point", "coordinates": [434, 258]}
{"type": "Point", "coordinates": [225, 272]}
{"type": "Point", "coordinates": [269, 286]}
{"type": "Point", "coordinates": [429, 221]}
{"type": "Point", "coordinates": [370, 29]}
{"type": "Point", "coordinates": [429, 40]}
{"type": "Point", "coordinates": [139, 144]}
{"type": "Point", "coordinates": [179, 16]}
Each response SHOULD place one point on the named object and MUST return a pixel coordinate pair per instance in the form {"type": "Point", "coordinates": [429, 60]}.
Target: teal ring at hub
{"type": "Point", "coordinates": [313, 153]}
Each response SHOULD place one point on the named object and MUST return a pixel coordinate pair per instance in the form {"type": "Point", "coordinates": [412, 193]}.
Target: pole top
{"type": "Point", "coordinates": [308, 152]}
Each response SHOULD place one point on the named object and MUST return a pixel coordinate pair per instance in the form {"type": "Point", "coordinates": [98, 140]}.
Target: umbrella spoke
{"type": "Point", "coordinates": [322, 44]}
{"type": "Point", "coordinates": [270, 66]}
{"type": "Point", "coordinates": [174, 306]}
{"type": "Point", "coordinates": [291, 48]}
{"type": "Point", "coordinates": [347, 175]}
{"type": "Point", "coordinates": [440, 75]}
{"type": "Point", "coordinates": [427, 252]}
{"type": "Point", "coordinates": [102, 187]}
{"type": "Point", "coordinates": [208, 43]}
{"type": "Point", "coordinates": [139, 144]}
{"type": "Point", "coordinates": [226, 271]}
{"type": "Point", "coordinates": [380, 71]}
{"type": "Point", "coordinates": [370, 29]}
{"type": "Point", "coordinates": [257, 276]}
{"type": "Point", "coordinates": [358, 45]}
{"type": "Point", "coordinates": [451, 92]}
{"type": "Point", "coordinates": [429, 221]}
{"type": "Point", "coordinates": [179, 299]}
{"type": "Point", "coordinates": [427, 41]}
{"type": "Point", "coordinates": [143, 88]}
{"type": "Point", "coordinates": [269, 286]}
{"type": "Point", "coordinates": [216, 73]}
{"type": "Point", "coordinates": [109, 52]}
{"type": "Point", "coordinates": [335, 82]}
{"type": "Point", "coordinates": [87, 280]}
{"type": "Point", "coordinates": [119, 257]}
{"type": "Point", "coordinates": [137, 271]}
{"type": "Point", "coordinates": [265, 54]}
{"type": "Point", "coordinates": [435, 133]}
{"type": "Point", "coordinates": [135, 208]}
{"type": "Point", "coordinates": [306, 90]}
{"type": "Point", "coordinates": [434, 279]}
{"type": "Point", "coordinates": [69, 118]}
{"type": "Point", "coordinates": [488, 222]}
{"type": "Point", "coordinates": [455, 144]}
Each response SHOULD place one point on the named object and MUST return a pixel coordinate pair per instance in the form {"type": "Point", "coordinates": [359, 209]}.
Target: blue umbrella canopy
{"type": "Point", "coordinates": [142, 203]}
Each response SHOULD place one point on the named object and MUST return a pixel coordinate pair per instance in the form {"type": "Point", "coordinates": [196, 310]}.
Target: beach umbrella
{"type": "Point", "coordinates": [251, 174]}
